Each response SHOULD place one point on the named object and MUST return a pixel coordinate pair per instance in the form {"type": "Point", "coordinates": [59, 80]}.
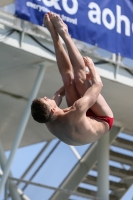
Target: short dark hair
{"type": "Point", "coordinates": [40, 111]}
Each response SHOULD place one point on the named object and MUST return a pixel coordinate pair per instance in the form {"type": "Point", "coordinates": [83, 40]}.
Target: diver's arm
{"type": "Point", "coordinates": [59, 95]}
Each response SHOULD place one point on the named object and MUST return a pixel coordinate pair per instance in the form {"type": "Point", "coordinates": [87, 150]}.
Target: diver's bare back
{"type": "Point", "coordinates": [74, 128]}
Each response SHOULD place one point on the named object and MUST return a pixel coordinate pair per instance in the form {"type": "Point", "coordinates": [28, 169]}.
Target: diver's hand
{"type": "Point", "coordinates": [66, 109]}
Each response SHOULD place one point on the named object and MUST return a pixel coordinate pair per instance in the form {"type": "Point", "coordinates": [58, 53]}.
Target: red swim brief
{"type": "Point", "coordinates": [107, 119]}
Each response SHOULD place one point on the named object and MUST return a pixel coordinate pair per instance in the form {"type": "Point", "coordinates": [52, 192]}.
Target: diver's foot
{"type": "Point", "coordinates": [48, 23]}
{"type": "Point", "coordinates": [59, 25]}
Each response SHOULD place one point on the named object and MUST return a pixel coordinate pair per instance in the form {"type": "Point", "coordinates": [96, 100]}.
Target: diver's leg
{"type": "Point", "coordinates": [63, 63]}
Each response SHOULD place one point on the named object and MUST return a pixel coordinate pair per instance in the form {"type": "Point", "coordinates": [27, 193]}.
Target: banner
{"type": "Point", "coordinates": [105, 23]}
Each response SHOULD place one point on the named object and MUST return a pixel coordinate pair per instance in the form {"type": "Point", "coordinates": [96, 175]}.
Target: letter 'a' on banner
{"type": "Point", "coordinates": [101, 22]}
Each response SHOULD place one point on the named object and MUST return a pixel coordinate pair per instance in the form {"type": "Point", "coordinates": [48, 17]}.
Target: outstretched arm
{"type": "Point", "coordinates": [59, 94]}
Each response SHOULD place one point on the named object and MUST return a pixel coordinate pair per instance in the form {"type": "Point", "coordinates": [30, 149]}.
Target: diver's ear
{"type": "Point", "coordinates": [53, 110]}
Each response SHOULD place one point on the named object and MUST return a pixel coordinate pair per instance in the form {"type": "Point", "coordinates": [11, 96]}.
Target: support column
{"type": "Point", "coordinates": [22, 126]}
{"type": "Point", "coordinates": [103, 168]}
{"type": "Point", "coordinates": [12, 187]}
{"type": "Point", "coordinates": [6, 190]}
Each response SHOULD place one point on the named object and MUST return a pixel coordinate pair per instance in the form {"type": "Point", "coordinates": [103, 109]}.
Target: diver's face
{"type": "Point", "coordinates": [51, 103]}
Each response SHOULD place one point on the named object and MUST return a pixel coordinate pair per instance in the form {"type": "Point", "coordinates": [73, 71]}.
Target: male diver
{"type": "Point", "coordinates": [88, 116]}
